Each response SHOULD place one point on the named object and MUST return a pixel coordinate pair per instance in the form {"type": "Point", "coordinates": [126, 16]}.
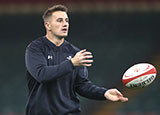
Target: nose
{"type": "Point", "coordinates": [65, 23]}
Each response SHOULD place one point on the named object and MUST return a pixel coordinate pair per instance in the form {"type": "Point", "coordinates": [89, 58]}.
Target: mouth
{"type": "Point", "coordinates": [64, 30]}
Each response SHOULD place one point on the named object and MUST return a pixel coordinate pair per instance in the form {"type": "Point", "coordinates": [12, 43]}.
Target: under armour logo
{"type": "Point", "coordinates": [69, 57]}
{"type": "Point", "coordinates": [50, 57]}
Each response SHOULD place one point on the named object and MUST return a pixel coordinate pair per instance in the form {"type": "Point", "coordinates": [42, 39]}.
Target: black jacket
{"type": "Point", "coordinates": [53, 81]}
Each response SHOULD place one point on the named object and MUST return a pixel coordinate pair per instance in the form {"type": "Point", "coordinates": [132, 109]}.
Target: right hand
{"type": "Point", "coordinates": [82, 58]}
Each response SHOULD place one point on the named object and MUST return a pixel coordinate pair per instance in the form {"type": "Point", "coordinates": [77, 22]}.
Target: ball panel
{"type": "Point", "coordinates": [142, 81]}
{"type": "Point", "coordinates": [137, 69]}
{"type": "Point", "coordinates": [151, 71]}
{"type": "Point", "coordinates": [139, 75]}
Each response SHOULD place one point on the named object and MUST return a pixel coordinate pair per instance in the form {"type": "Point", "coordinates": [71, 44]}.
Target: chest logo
{"type": "Point", "coordinates": [50, 57]}
{"type": "Point", "coordinates": [69, 57]}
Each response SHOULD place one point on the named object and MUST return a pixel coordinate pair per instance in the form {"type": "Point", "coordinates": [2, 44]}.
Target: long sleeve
{"type": "Point", "coordinates": [37, 66]}
{"type": "Point", "coordinates": [86, 88]}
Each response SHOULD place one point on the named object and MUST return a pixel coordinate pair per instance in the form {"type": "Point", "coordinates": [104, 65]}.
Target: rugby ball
{"type": "Point", "coordinates": [139, 75]}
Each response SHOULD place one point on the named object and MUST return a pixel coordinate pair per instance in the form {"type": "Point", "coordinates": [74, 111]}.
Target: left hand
{"type": "Point", "coordinates": [115, 95]}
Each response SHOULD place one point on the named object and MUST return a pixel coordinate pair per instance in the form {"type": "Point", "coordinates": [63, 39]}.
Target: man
{"type": "Point", "coordinates": [57, 71]}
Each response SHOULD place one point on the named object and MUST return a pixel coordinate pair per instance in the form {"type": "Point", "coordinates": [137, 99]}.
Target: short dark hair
{"type": "Point", "coordinates": [52, 9]}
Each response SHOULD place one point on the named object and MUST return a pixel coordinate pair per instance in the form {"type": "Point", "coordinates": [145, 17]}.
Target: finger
{"type": "Point", "coordinates": [118, 93]}
{"type": "Point", "coordinates": [88, 56]}
{"type": "Point", "coordinates": [82, 51]}
{"type": "Point", "coordinates": [120, 96]}
{"type": "Point", "coordinates": [86, 53]}
{"type": "Point", "coordinates": [86, 61]}
{"type": "Point", "coordinates": [87, 65]}
{"type": "Point", "coordinates": [123, 99]}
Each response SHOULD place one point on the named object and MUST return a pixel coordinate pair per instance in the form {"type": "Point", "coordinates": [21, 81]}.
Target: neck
{"type": "Point", "coordinates": [55, 40]}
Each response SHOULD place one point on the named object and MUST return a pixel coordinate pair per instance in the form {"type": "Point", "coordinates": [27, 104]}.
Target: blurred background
{"type": "Point", "coordinates": [119, 33]}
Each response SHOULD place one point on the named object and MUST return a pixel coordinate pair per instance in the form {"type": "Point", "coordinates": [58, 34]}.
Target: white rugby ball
{"type": "Point", "coordinates": [139, 75]}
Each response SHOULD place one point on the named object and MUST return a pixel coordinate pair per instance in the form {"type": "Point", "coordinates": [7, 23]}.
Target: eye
{"type": "Point", "coordinates": [67, 19]}
{"type": "Point", "coordinates": [59, 20]}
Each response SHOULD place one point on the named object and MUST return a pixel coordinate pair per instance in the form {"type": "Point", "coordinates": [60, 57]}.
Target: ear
{"type": "Point", "coordinates": [47, 25]}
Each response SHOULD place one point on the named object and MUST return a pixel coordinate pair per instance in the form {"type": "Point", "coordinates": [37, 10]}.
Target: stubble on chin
{"type": "Point", "coordinates": [61, 37]}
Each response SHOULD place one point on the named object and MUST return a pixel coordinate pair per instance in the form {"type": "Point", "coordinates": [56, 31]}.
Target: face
{"type": "Point", "coordinates": [58, 24]}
